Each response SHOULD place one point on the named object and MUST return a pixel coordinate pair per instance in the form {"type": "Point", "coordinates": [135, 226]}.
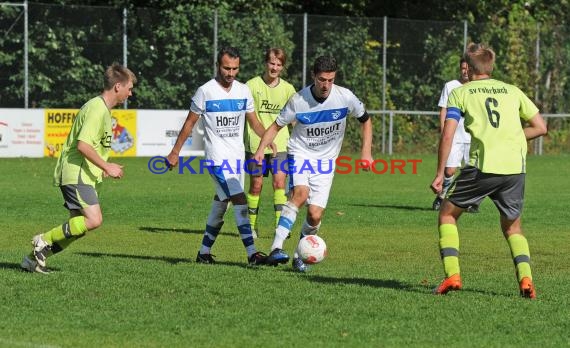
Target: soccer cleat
{"type": "Point", "coordinates": [436, 203]}
{"type": "Point", "coordinates": [254, 233]}
{"type": "Point", "coordinates": [527, 288]}
{"type": "Point", "coordinates": [277, 256]}
{"type": "Point", "coordinates": [205, 258]}
{"type": "Point", "coordinates": [299, 265]}
{"type": "Point", "coordinates": [449, 284]}
{"type": "Point", "coordinates": [256, 259]}
{"type": "Point", "coordinates": [40, 249]}
{"type": "Point", "coordinates": [30, 265]}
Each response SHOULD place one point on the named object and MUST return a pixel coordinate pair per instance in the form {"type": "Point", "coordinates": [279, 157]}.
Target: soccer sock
{"type": "Point", "coordinates": [74, 227]}
{"type": "Point", "coordinates": [286, 222]}
{"type": "Point", "coordinates": [61, 245]}
{"type": "Point", "coordinates": [305, 231]}
{"type": "Point", "coordinates": [213, 225]}
{"type": "Point", "coordinates": [308, 229]}
{"type": "Point", "coordinates": [447, 180]}
{"type": "Point", "coordinates": [279, 199]}
{"type": "Point", "coordinates": [449, 248]}
{"type": "Point", "coordinates": [244, 228]}
{"type": "Point", "coordinates": [521, 255]}
{"type": "Point", "coordinates": [253, 209]}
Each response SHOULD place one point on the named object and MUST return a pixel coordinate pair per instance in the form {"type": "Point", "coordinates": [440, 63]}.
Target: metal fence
{"type": "Point", "coordinates": [393, 138]}
{"type": "Point", "coordinates": [58, 53]}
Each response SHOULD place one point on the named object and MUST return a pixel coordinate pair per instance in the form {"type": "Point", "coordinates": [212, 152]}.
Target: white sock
{"type": "Point", "coordinates": [447, 180]}
{"type": "Point", "coordinates": [213, 225]}
{"type": "Point", "coordinates": [286, 222]}
{"type": "Point", "coordinates": [244, 228]}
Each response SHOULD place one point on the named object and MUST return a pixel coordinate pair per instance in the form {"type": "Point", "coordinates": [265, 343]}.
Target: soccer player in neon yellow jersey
{"type": "Point", "coordinates": [493, 111]}
{"type": "Point", "coordinates": [270, 93]}
{"type": "Point", "coordinates": [81, 168]}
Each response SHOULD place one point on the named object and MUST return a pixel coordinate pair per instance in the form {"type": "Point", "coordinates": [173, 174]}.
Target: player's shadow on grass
{"type": "Point", "coordinates": [373, 283]}
{"type": "Point", "coordinates": [8, 265]}
{"type": "Point", "coordinates": [178, 230]}
{"type": "Point", "coordinates": [16, 267]}
{"type": "Point", "coordinates": [171, 260]}
{"type": "Point", "coordinates": [390, 206]}
{"type": "Point", "coordinates": [396, 285]}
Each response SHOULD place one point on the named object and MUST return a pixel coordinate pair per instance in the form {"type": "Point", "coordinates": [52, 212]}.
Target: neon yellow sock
{"type": "Point", "coordinates": [75, 227]}
{"type": "Point", "coordinates": [279, 199]}
{"type": "Point", "coordinates": [449, 248]}
{"type": "Point", "coordinates": [252, 208]}
{"type": "Point", "coordinates": [521, 255]}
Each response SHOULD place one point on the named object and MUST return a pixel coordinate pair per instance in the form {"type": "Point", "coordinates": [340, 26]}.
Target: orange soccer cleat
{"type": "Point", "coordinates": [527, 288]}
{"type": "Point", "coordinates": [449, 284]}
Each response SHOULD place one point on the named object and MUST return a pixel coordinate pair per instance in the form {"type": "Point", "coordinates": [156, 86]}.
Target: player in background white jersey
{"type": "Point", "coordinates": [319, 112]}
{"type": "Point", "coordinates": [459, 154]}
{"type": "Point", "coordinates": [224, 104]}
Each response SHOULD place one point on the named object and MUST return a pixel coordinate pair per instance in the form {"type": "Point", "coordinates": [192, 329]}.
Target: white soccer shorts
{"type": "Point", "coordinates": [319, 181]}
{"type": "Point", "coordinates": [458, 156]}
{"type": "Point", "coordinates": [228, 182]}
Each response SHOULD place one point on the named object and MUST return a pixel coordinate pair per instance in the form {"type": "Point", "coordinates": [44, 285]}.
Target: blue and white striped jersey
{"type": "Point", "coordinates": [319, 128]}
{"type": "Point", "coordinates": [223, 114]}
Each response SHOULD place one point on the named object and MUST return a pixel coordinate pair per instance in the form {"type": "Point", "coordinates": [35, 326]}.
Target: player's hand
{"type": "Point", "coordinates": [113, 170]}
{"type": "Point", "coordinates": [437, 184]}
{"type": "Point", "coordinates": [259, 156]}
{"type": "Point", "coordinates": [172, 160]}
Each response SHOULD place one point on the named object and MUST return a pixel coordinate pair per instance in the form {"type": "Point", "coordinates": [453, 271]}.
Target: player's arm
{"type": "Point", "coordinates": [259, 130]}
{"type": "Point", "coordinates": [442, 113]}
{"type": "Point", "coordinates": [452, 119]}
{"type": "Point", "coordinates": [184, 133]}
{"type": "Point", "coordinates": [254, 123]}
{"type": "Point", "coordinates": [113, 170]}
{"type": "Point", "coordinates": [266, 140]}
{"type": "Point", "coordinates": [536, 127]}
{"type": "Point", "coordinates": [366, 133]}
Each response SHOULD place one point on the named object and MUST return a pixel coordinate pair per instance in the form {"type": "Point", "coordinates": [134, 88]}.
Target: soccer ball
{"type": "Point", "coordinates": [312, 249]}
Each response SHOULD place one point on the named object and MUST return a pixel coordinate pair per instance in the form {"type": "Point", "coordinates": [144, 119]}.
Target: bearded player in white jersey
{"type": "Point", "coordinates": [224, 104]}
{"type": "Point", "coordinates": [319, 112]}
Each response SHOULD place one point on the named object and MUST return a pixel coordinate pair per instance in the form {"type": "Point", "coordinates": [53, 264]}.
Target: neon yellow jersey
{"type": "Point", "coordinates": [92, 125]}
{"type": "Point", "coordinates": [493, 111]}
{"type": "Point", "coordinates": [268, 103]}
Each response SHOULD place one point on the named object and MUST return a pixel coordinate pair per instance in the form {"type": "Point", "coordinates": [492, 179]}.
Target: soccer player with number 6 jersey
{"type": "Point", "coordinates": [493, 111]}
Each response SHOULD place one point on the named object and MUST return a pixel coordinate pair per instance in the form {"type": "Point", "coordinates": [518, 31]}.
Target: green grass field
{"type": "Point", "coordinates": [134, 282]}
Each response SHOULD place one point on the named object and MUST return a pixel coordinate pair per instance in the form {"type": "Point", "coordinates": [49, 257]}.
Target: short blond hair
{"type": "Point", "coordinates": [480, 59]}
{"type": "Point", "coordinates": [116, 73]}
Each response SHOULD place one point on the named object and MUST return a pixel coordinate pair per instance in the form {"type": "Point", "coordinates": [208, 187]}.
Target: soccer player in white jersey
{"type": "Point", "coordinates": [319, 112]}
{"type": "Point", "coordinates": [224, 104]}
{"type": "Point", "coordinates": [459, 154]}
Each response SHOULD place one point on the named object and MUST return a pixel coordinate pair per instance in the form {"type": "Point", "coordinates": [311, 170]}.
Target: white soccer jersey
{"type": "Point", "coordinates": [319, 127]}
{"type": "Point", "coordinates": [461, 136]}
{"type": "Point", "coordinates": [224, 119]}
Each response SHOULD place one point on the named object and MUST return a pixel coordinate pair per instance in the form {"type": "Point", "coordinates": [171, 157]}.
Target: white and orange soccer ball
{"type": "Point", "coordinates": [312, 249]}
